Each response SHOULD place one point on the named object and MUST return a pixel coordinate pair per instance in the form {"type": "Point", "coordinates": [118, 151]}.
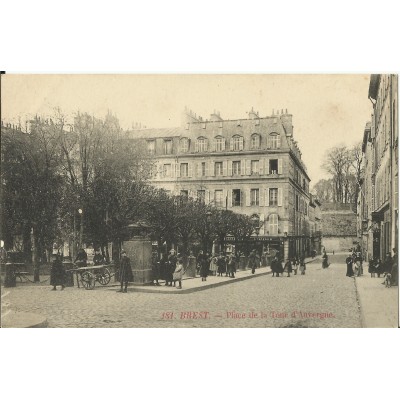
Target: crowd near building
{"type": "Point", "coordinates": [251, 166]}
{"type": "Point", "coordinates": [378, 202]}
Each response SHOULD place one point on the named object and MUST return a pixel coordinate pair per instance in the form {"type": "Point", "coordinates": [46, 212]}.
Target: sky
{"type": "Point", "coordinates": [327, 110]}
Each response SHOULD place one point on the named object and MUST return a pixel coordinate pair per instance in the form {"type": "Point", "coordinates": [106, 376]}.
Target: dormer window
{"type": "Point", "coordinates": [219, 143]}
{"type": "Point", "coordinates": [151, 147]}
{"type": "Point", "coordinates": [167, 146]}
{"type": "Point", "coordinates": [255, 141]}
{"type": "Point", "coordinates": [275, 140]}
{"type": "Point", "coordinates": [201, 144]}
{"type": "Point", "coordinates": [237, 143]}
{"type": "Point", "coordinates": [184, 145]}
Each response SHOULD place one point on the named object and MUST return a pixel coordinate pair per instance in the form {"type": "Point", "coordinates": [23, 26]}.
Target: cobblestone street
{"type": "Point", "coordinates": [275, 302]}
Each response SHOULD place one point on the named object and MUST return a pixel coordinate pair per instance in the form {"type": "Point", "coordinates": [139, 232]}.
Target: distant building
{"type": "Point", "coordinates": [252, 166]}
{"type": "Point", "coordinates": [339, 226]}
{"type": "Point", "coordinates": [378, 203]}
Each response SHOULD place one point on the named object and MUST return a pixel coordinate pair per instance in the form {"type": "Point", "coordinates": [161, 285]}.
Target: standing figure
{"type": "Point", "coordinates": [302, 265]}
{"type": "Point", "coordinates": [172, 260]}
{"type": "Point", "coordinates": [253, 261]}
{"type": "Point", "coordinates": [379, 267]}
{"type": "Point", "coordinates": [325, 260]}
{"type": "Point", "coordinates": [276, 266]}
{"type": "Point", "coordinates": [231, 265]}
{"type": "Point", "coordinates": [125, 272]}
{"type": "Point", "coordinates": [155, 269]}
{"type": "Point", "coordinates": [57, 273]}
{"type": "Point", "coordinates": [371, 268]}
{"type": "Point", "coordinates": [288, 267]}
{"type": "Point", "coordinates": [213, 265]}
{"type": "Point", "coordinates": [295, 265]}
{"type": "Point", "coordinates": [221, 264]}
{"type": "Point", "coordinates": [202, 262]}
{"type": "Point", "coordinates": [349, 263]}
{"type": "Point", "coordinates": [264, 259]}
{"type": "Point", "coordinates": [179, 271]}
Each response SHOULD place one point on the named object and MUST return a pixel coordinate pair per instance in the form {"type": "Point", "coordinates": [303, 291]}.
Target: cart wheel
{"type": "Point", "coordinates": [105, 277]}
{"type": "Point", "coordinates": [88, 280]}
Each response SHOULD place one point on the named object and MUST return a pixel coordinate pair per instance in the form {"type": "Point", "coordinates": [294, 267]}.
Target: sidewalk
{"type": "Point", "coordinates": [190, 285]}
{"type": "Point", "coordinates": [379, 305]}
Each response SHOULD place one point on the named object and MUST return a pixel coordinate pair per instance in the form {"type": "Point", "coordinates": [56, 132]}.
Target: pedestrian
{"type": "Point", "coordinates": [325, 263]}
{"type": "Point", "coordinates": [179, 271]}
{"type": "Point", "coordinates": [57, 273]}
{"type": "Point", "coordinates": [202, 261]}
{"type": "Point", "coordinates": [276, 266]}
{"type": "Point", "coordinates": [302, 266]}
{"type": "Point", "coordinates": [264, 259]}
{"type": "Point", "coordinates": [156, 265]}
{"type": "Point", "coordinates": [379, 267]}
{"type": "Point", "coordinates": [81, 258]}
{"type": "Point", "coordinates": [252, 263]}
{"type": "Point", "coordinates": [213, 265]}
{"type": "Point", "coordinates": [172, 260]}
{"type": "Point", "coordinates": [349, 263]}
{"type": "Point", "coordinates": [125, 272]}
{"type": "Point", "coordinates": [295, 265]}
{"type": "Point", "coordinates": [221, 264]}
{"type": "Point", "coordinates": [231, 265]}
{"type": "Point", "coordinates": [358, 262]}
{"type": "Point", "coordinates": [288, 267]}
{"type": "Point", "coordinates": [371, 268]}
{"type": "Point", "coordinates": [387, 266]}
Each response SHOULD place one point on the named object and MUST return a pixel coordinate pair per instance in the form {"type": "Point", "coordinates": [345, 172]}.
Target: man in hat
{"type": "Point", "coordinates": [125, 272]}
{"type": "Point", "coordinates": [172, 259]}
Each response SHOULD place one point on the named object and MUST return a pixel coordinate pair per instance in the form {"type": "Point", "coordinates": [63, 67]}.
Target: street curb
{"type": "Point", "coordinates": [16, 319]}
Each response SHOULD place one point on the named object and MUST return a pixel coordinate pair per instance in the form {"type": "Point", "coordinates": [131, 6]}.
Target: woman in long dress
{"type": "Point", "coordinates": [349, 262]}
{"type": "Point", "coordinates": [213, 265]}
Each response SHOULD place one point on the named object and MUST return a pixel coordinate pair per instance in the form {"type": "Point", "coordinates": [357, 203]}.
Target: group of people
{"type": "Point", "coordinates": [292, 265]}
{"type": "Point", "coordinates": [376, 267]}
{"type": "Point", "coordinates": [171, 267]}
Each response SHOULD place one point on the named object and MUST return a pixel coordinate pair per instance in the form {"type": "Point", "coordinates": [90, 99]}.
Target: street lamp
{"type": "Point", "coordinates": [80, 211]}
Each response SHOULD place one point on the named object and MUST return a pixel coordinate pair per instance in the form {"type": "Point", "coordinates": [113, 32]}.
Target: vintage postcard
{"type": "Point", "coordinates": [202, 200]}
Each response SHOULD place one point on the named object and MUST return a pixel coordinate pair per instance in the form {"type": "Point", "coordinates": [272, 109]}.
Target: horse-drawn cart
{"type": "Point", "coordinates": [88, 276]}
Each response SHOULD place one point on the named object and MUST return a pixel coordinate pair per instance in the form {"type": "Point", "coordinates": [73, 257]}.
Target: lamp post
{"type": "Point", "coordinates": [80, 211]}
{"type": "Point", "coordinates": [208, 220]}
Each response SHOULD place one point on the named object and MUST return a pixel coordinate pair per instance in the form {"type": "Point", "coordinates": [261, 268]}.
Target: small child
{"type": "Point", "coordinates": [295, 265]}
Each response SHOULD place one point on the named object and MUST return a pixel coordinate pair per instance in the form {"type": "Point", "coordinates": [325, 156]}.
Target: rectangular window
{"type": "Point", "coordinates": [236, 198]}
{"type": "Point", "coordinates": [273, 197]}
{"type": "Point", "coordinates": [236, 167]}
{"type": "Point", "coordinates": [203, 169]}
{"type": "Point", "coordinates": [273, 166]}
{"type": "Point", "coordinates": [184, 169]}
{"type": "Point", "coordinates": [254, 167]}
{"type": "Point", "coordinates": [185, 194]}
{"type": "Point", "coordinates": [254, 197]}
{"type": "Point", "coordinates": [219, 144]}
{"type": "Point", "coordinates": [201, 196]}
{"type": "Point", "coordinates": [219, 201]}
{"type": "Point", "coordinates": [167, 146]}
{"type": "Point", "coordinates": [151, 147]}
{"type": "Point", "coordinates": [218, 166]}
{"type": "Point", "coordinates": [167, 170]}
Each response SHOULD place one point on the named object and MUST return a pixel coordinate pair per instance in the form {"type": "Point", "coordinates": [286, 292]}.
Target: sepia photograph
{"type": "Point", "coordinates": [199, 200]}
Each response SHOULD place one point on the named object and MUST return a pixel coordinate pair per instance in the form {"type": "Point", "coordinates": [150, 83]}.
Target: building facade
{"type": "Point", "coordinates": [378, 208]}
{"type": "Point", "coordinates": [251, 166]}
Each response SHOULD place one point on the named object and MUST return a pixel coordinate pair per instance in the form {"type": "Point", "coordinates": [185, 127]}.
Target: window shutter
{"type": "Point", "coordinates": [196, 147]}
{"type": "Point", "coordinates": [248, 167]}
{"type": "Point", "coordinates": [224, 166]}
{"type": "Point", "coordinates": [267, 172]}
{"type": "Point", "coordinates": [205, 169]}
{"type": "Point", "coordinates": [223, 144]}
{"type": "Point", "coordinates": [190, 170]}
{"type": "Point", "coordinates": [280, 166]}
{"type": "Point", "coordinates": [262, 230]}
{"type": "Point", "coordinates": [211, 169]}
{"type": "Point", "coordinates": [261, 199]}
{"type": "Point", "coordinates": [261, 167]}
{"type": "Point", "coordinates": [173, 170]}
{"type": "Point", "coordinates": [268, 142]}
{"type": "Point", "coordinates": [229, 168]}
{"type": "Point", "coordinates": [211, 193]}
{"type": "Point", "coordinates": [224, 199]}
{"type": "Point", "coordinates": [215, 145]}
{"type": "Point", "coordinates": [198, 174]}
{"type": "Point", "coordinates": [241, 197]}
{"type": "Point", "coordinates": [267, 197]}
{"type": "Point", "coordinates": [178, 170]}
{"type": "Point", "coordinates": [242, 167]}
{"type": "Point", "coordinates": [206, 145]}
{"type": "Point", "coordinates": [247, 198]}
{"type": "Point", "coordinates": [229, 198]}
{"type": "Point", "coordinates": [280, 197]}
{"type": "Point", "coordinates": [278, 141]}
{"type": "Point", "coordinates": [231, 144]}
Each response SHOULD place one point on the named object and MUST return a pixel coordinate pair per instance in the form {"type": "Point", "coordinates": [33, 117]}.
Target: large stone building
{"type": "Point", "coordinates": [251, 166]}
{"type": "Point", "coordinates": [378, 203]}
